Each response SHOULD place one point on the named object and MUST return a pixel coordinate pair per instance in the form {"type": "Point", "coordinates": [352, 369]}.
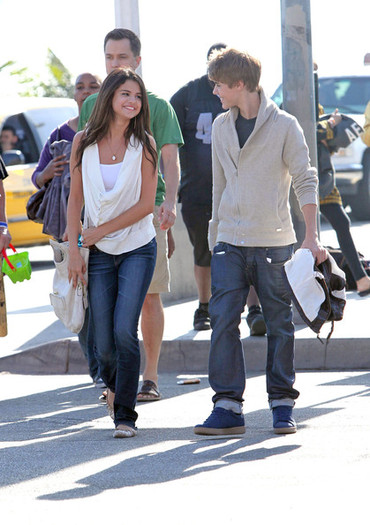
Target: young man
{"type": "Point", "coordinates": [196, 107]}
{"type": "Point", "coordinates": [8, 139]}
{"type": "Point", "coordinates": [257, 151]}
{"type": "Point", "coordinates": [122, 49]}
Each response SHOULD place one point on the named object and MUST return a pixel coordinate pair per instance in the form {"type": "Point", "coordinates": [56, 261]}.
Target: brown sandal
{"type": "Point", "coordinates": [110, 403]}
{"type": "Point", "coordinates": [149, 392]}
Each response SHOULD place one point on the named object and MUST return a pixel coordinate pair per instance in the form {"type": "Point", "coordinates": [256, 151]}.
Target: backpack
{"type": "Point", "coordinates": [318, 292]}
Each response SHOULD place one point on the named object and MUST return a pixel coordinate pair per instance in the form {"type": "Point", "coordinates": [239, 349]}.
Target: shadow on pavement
{"type": "Point", "coordinates": [57, 430]}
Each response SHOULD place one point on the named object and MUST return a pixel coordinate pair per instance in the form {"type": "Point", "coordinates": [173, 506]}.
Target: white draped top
{"type": "Point", "coordinates": [101, 205]}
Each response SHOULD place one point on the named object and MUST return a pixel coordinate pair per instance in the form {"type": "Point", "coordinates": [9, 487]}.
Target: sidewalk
{"type": "Point", "coordinates": [60, 464]}
{"type": "Point", "coordinates": [39, 343]}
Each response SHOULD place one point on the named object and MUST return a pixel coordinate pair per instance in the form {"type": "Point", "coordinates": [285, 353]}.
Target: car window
{"type": "Point", "coordinates": [348, 94]}
{"type": "Point", "coordinates": [44, 120]}
{"type": "Point", "coordinates": [26, 142]}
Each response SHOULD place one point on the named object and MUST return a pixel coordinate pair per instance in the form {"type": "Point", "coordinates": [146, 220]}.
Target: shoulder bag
{"type": "Point", "coordinates": [69, 303]}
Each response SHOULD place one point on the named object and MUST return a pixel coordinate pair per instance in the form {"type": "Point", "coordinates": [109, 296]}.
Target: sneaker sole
{"type": "Point", "coordinates": [203, 431]}
{"type": "Point", "coordinates": [259, 328]}
{"type": "Point", "coordinates": [286, 430]}
{"type": "Point", "coordinates": [200, 327]}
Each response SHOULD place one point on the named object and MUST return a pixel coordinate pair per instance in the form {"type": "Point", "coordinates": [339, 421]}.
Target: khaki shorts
{"type": "Point", "coordinates": [161, 277]}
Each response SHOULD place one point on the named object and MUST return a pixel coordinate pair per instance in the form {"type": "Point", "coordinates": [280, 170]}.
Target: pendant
{"type": "Point", "coordinates": [114, 157]}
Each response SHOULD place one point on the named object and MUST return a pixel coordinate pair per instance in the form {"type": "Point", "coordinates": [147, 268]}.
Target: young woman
{"type": "Point", "coordinates": [113, 172]}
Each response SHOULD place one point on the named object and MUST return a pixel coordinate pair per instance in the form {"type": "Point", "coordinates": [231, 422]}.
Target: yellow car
{"type": "Point", "coordinates": [33, 119]}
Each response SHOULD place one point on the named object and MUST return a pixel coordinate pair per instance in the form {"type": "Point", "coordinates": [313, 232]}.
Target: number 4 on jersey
{"type": "Point", "coordinates": [204, 128]}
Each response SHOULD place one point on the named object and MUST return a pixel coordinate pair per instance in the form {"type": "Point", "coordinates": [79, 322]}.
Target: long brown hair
{"type": "Point", "coordinates": [103, 114]}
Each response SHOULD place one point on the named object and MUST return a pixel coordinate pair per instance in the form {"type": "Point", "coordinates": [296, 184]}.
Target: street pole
{"type": "Point", "coordinates": [127, 16]}
{"type": "Point", "coordinates": [298, 84]}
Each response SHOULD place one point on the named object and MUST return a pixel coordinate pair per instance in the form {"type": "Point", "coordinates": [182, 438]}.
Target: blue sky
{"type": "Point", "coordinates": [176, 36]}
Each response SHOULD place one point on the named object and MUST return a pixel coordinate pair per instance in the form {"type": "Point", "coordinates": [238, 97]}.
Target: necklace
{"type": "Point", "coordinates": [114, 156]}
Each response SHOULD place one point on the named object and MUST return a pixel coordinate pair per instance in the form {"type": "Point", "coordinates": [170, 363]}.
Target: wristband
{"type": "Point", "coordinates": [3, 224]}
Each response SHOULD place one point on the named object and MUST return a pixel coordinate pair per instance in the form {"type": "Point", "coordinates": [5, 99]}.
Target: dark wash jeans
{"type": "Point", "coordinates": [234, 269]}
{"type": "Point", "coordinates": [117, 288]}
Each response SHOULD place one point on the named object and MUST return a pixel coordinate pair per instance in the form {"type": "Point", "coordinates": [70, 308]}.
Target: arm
{"type": "Point", "coordinates": [5, 236]}
{"type": "Point", "coordinates": [171, 168]}
{"type": "Point", "coordinates": [219, 184]}
{"type": "Point", "coordinates": [305, 186]}
{"type": "Point", "coordinates": [325, 128]}
{"type": "Point", "coordinates": [366, 135]}
{"type": "Point", "coordinates": [47, 167]}
{"type": "Point", "coordinates": [311, 240]}
{"type": "Point", "coordinates": [77, 265]}
{"type": "Point", "coordinates": [170, 243]}
{"type": "Point", "coordinates": [296, 158]}
{"type": "Point", "coordinates": [138, 211]}
{"type": "Point", "coordinates": [178, 103]}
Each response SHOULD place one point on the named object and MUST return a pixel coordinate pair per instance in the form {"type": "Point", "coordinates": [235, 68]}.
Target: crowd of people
{"type": "Point", "coordinates": [132, 155]}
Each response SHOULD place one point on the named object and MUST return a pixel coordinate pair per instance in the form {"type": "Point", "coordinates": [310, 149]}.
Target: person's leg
{"type": "Point", "coordinates": [86, 340]}
{"type": "Point", "coordinates": [102, 292]}
{"type": "Point", "coordinates": [152, 318]}
{"type": "Point", "coordinates": [230, 288]}
{"type": "Point", "coordinates": [202, 276]}
{"type": "Point", "coordinates": [135, 270]}
{"type": "Point", "coordinates": [255, 318]}
{"type": "Point", "coordinates": [196, 219]}
{"type": "Point", "coordinates": [152, 327]}
{"type": "Point", "coordinates": [341, 223]}
{"type": "Point", "coordinates": [276, 304]}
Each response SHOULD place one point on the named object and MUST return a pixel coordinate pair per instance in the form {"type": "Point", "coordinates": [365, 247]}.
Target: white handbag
{"type": "Point", "coordinates": [69, 303]}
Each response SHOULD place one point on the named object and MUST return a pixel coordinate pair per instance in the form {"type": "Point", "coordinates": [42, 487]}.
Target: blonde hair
{"type": "Point", "coordinates": [230, 66]}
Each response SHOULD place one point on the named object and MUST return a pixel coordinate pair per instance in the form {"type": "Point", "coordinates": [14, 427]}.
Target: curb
{"type": "Point", "coordinates": [64, 356]}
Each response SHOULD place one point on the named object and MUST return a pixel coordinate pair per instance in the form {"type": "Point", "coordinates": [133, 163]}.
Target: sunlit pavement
{"type": "Point", "coordinates": [60, 464]}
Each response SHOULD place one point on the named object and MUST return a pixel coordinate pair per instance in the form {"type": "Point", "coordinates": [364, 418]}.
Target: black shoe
{"type": "Point", "coordinates": [256, 321]}
{"type": "Point", "coordinates": [202, 321]}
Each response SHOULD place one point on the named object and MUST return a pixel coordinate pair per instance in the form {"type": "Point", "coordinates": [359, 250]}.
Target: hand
{"type": "Point", "coordinates": [5, 239]}
{"type": "Point", "coordinates": [166, 215]}
{"type": "Point", "coordinates": [55, 168]}
{"type": "Point", "coordinates": [91, 236]}
{"type": "Point", "coordinates": [170, 243]}
{"type": "Point", "coordinates": [319, 253]}
{"type": "Point", "coordinates": [335, 118]}
{"type": "Point", "coordinates": [76, 268]}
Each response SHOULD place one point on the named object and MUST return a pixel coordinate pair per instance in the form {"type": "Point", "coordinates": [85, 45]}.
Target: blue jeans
{"type": "Point", "coordinates": [86, 340]}
{"type": "Point", "coordinates": [117, 288]}
{"type": "Point", "coordinates": [234, 269]}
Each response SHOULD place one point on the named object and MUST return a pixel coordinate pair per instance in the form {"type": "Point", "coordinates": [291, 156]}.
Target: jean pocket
{"type": "Point", "coordinates": [279, 255]}
{"type": "Point", "coordinates": [221, 248]}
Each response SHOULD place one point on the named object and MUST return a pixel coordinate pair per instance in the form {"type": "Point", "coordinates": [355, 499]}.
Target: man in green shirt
{"type": "Point", "coordinates": [122, 49]}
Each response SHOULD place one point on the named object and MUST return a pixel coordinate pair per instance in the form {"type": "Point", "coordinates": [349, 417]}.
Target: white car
{"type": "Point", "coordinates": [350, 94]}
{"type": "Point", "coordinates": [33, 119]}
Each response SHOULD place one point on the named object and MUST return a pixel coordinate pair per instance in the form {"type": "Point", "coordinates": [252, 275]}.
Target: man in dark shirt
{"type": "Point", "coordinates": [196, 107]}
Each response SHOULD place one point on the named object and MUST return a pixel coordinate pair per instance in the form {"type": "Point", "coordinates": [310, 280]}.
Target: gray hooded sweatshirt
{"type": "Point", "coordinates": [251, 184]}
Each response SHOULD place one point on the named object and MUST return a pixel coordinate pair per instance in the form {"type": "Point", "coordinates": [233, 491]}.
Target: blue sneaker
{"type": "Point", "coordinates": [283, 421]}
{"type": "Point", "coordinates": [221, 422]}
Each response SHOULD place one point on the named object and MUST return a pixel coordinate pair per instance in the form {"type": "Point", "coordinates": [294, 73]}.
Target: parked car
{"type": "Point", "coordinates": [350, 94]}
{"type": "Point", "coordinates": [33, 119]}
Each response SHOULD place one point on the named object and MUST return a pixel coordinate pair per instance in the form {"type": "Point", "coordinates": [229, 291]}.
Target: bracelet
{"type": "Point", "coordinates": [3, 224]}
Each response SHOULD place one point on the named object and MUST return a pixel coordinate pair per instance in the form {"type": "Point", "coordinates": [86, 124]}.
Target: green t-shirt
{"type": "Point", "coordinates": [163, 124]}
